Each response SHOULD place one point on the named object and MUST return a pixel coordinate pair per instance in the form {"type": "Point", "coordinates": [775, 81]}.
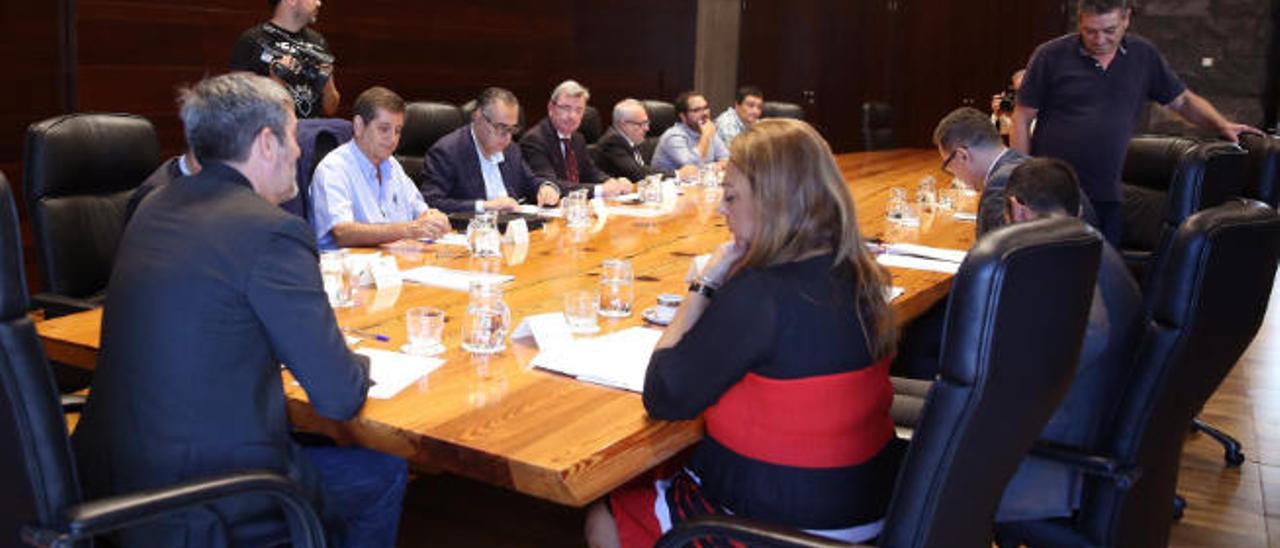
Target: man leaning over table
{"type": "Point", "coordinates": [620, 146]}
{"type": "Point", "coordinates": [555, 150]}
{"type": "Point", "coordinates": [693, 141]}
{"type": "Point", "coordinates": [360, 195]}
{"type": "Point", "coordinates": [477, 167]}
{"type": "Point", "coordinates": [214, 288]}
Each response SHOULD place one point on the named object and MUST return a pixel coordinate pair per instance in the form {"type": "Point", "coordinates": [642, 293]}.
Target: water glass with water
{"type": "Point", "coordinates": [577, 210]}
{"type": "Point", "coordinates": [927, 193]}
{"type": "Point", "coordinates": [617, 288]}
{"type": "Point", "coordinates": [424, 326]}
{"type": "Point", "coordinates": [334, 276]}
{"type": "Point", "coordinates": [580, 309]}
{"type": "Point", "coordinates": [487, 321]}
{"type": "Point", "coordinates": [483, 236]}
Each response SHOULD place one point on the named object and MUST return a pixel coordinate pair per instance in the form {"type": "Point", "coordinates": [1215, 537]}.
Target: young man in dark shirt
{"type": "Point", "coordinates": [288, 52]}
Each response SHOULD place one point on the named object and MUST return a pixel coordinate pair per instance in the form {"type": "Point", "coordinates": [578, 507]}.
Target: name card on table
{"type": "Point", "coordinates": [385, 272]}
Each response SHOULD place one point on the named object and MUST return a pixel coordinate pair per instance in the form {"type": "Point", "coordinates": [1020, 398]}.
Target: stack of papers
{"type": "Point", "coordinates": [917, 263]}
{"type": "Point", "coordinates": [391, 372]}
{"type": "Point", "coordinates": [448, 278]}
{"type": "Point", "coordinates": [926, 252]}
{"type": "Point", "coordinates": [618, 360]}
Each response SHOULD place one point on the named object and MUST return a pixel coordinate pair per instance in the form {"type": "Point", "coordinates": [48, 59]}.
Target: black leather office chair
{"type": "Point", "coordinates": [79, 170]}
{"type": "Point", "coordinates": [779, 109]}
{"type": "Point", "coordinates": [1166, 180]}
{"type": "Point", "coordinates": [41, 503]}
{"type": "Point", "coordinates": [592, 126]}
{"type": "Point", "coordinates": [987, 405]}
{"type": "Point", "coordinates": [877, 126]}
{"type": "Point", "coordinates": [317, 137]}
{"type": "Point", "coordinates": [1207, 299]}
{"type": "Point", "coordinates": [425, 122]}
{"type": "Point", "coordinates": [1262, 169]}
{"type": "Point", "coordinates": [662, 115]}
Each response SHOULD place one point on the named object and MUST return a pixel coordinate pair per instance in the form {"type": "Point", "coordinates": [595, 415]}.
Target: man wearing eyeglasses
{"type": "Point", "coordinates": [478, 167]}
{"type": "Point", "coordinates": [972, 151]}
{"type": "Point", "coordinates": [556, 150]}
{"type": "Point", "coordinates": [620, 153]}
{"type": "Point", "coordinates": [694, 140]}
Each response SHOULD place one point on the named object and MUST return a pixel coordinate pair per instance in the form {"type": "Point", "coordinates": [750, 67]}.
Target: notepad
{"type": "Point", "coordinates": [617, 360]}
{"type": "Point", "coordinates": [448, 278]}
{"type": "Point", "coordinates": [927, 252]}
{"type": "Point", "coordinates": [918, 263]}
{"type": "Point", "coordinates": [391, 372]}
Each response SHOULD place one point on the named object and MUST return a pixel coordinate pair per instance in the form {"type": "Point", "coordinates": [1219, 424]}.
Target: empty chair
{"type": "Point", "coordinates": [779, 109]}
{"type": "Point", "coordinates": [987, 407]}
{"type": "Point", "coordinates": [1262, 169]}
{"type": "Point", "coordinates": [316, 138]}
{"type": "Point", "coordinates": [79, 171]}
{"type": "Point", "coordinates": [424, 123]}
{"type": "Point", "coordinates": [41, 500]}
{"type": "Point", "coordinates": [592, 126]}
{"type": "Point", "coordinates": [877, 126]}
{"type": "Point", "coordinates": [1207, 299]}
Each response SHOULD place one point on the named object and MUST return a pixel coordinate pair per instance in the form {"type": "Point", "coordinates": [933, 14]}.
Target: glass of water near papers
{"type": "Point", "coordinates": [577, 209]}
{"type": "Point", "coordinates": [899, 210]}
{"type": "Point", "coordinates": [424, 327]}
{"type": "Point", "coordinates": [617, 288]}
{"type": "Point", "coordinates": [580, 309]}
{"type": "Point", "coordinates": [483, 236]}
{"type": "Point", "coordinates": [487, 321]}
{"type": "Point", "coordinates": [340, 275]}
{"type": "Point", "coordinates": [927, 193]}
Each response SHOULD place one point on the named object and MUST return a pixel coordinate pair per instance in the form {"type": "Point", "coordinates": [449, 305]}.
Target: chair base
{"type": "Point", "coordinates": [1233, 452]}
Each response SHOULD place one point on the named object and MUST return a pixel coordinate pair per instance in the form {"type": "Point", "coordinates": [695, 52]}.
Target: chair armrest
{"type": "Point", "coordinates": [747, 531]}
{"type": "Point", "coordinates": [55, 305]}
{"type": "Point", "coordinates": [1095, 464]}
{"type": "Point", "coordinates": [102, 516]}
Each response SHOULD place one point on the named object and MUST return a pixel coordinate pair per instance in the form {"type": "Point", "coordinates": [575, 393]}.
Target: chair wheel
{"type": "Point", "coordinates": [1233, 458]}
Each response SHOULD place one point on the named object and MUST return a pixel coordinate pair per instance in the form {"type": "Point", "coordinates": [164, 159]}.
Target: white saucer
{"type": "Point", "coordinates": [652, 315]}
{"type": "Point", "coordinates": [429, 351]}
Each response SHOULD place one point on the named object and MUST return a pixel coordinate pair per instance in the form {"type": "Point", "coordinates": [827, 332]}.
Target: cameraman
{"type": "Point", "coordinates": [1002, 104]}
{"type": "Point", "coordinates": [288, 52]}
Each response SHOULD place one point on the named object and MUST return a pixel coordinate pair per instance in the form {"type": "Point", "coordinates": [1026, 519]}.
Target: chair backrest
{"type": "Point", "coordinates": [35, 458]}
{"type": "Point", "coordinates": [877, 126]}
{"type": "Point", "coordinates": [592, 126]}
{"type": "Point", "coordinates": [79, 170]}
{"type": "Point", "coordinates": [317, 137]}
{"type": "Point", "coordinates": [779, 109]}
{"type": "Point", "coordinates": [1262, 169]}
{"type": "Point", "coordinates": [662, 115]}
{"type": "Point", "coordinates": [1012, 335]}
{"type": "Point", "coordinates": [1205, 303]}
{"type": "Point", "coordinates": [425, 122]}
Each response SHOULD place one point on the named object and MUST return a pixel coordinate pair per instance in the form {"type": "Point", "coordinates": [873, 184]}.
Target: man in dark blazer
{"type": "Point", "coordinates": [214, 288]}
{"type": "Point", "coordinates": [477, 167]}
{"type": "Point", "coordinates": [554, 149]}
{"type": "Point", "coordinates": [619, 148]}
{"type": "Point", "coordinates": [178, 166]}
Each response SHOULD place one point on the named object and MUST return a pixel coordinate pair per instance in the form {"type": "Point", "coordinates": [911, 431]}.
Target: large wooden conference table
{"type": "Point", "coordinates": [498, 420]}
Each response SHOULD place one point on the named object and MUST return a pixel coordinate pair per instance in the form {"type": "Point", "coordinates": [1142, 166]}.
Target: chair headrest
{"type": "Point", "coordinates": [13, 283]}
{"type": "Point", "coordinates": [662, 115]}
{"type": "Point", "coordinates": [425, 122]}
{"type": "Point", "coordinates": [88, 154]}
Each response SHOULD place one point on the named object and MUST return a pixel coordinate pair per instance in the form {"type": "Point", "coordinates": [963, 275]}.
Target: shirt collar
{"type": "Point", "coordinates": [1122, 50]}
{"type": "Point", "coordinates": [497, 157]}
{"type": "Point", "coordinates": [366, 165]}
{"type": "Point", "coordinates": [994, 162]}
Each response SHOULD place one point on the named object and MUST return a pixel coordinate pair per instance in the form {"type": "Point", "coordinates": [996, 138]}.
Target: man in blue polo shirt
{"type": "Point", "coordinates": [360, 195]}
{"type": "Point", "coordinates": [693, 141]}
{"type": "Point", "coordinates": [1085, 92]}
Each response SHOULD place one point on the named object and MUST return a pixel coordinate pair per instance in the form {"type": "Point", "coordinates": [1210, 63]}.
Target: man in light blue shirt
{"type": "Point", "coordinates": [693, 141]}
{"type": "Point", "coordinates": [748, 105]}
{"type": "Point", "coordinates": [360, 195]}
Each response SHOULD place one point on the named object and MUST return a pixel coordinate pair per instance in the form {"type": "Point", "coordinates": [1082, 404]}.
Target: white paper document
{"type": "Point", "coordinates": [893, 293]}
{"type": "Point", "coordinates": [618, 360]}
{"type": "Point", "coordinates": [962, 216]}
{"type": "Point", "coordinates": [549, 331]}
{"type": "Point", "coordinates": [924, 251]}
{"type": "Point", "coordinates": [448, 278]}
{"type": "Point", "coordinates": [918, 263]}
{"type": "Point", "coordinates": [452, 238]}
{"type": "Point", "coordinates": [391, 372]}
{"type": "Point", "coordinates": [534, 209]}
{"type": "Point", "coordinates": [642, 212]}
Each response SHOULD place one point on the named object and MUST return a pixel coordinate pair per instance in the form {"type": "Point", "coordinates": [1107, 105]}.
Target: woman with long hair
{"type": "Point", "coordinates": [783, 345]}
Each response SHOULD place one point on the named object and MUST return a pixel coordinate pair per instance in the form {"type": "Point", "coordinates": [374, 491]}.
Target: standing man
{"type": "Point", "coordinates": [360, 195]}
{"type": "Point", "coordinates": [1085, 92]}
{"type": "Point", "coordinates": [214, 289]}
{"type": "Point", "coordinates": [693, 141]}
{"type": "Point", "coordinates": [477, 167]}
{"type": "Point", "coordinates": [620, 146]}
{"type": "Point", "coordinates": [748, 104]}
{"type": "Point", "coordinates": [555, 150]}
{"type": "Point", "coordinates": [292, 54]}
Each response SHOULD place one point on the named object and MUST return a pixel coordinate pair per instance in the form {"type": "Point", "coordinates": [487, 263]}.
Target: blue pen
{"type": "Point", "coordinates": [369, 335]}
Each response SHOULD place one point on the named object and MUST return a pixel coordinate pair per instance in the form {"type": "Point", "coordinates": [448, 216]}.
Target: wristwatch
{"type": "Point", "coordinates": [703, 286]}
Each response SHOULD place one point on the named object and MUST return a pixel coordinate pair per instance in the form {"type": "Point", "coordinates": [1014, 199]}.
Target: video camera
{"type": "Point", "coordinates": [311, 63]}
{"type": "Point", "coordinates": [1007, 100]}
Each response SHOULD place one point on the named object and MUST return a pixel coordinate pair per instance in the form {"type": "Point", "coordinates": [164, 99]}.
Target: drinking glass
{"type": "Point", "coordinates": [425, 327]}
{"type": "Point", "coordinates": [577, 210]}
{"type": "Point", "coordinates": [927, 193]}
{"type": "Point", "coordinates": [483, 236]}
{"type": "Point", "coordinates": [484, 329]}
{"type": "Point", "coordinates": [580, 309]}
{"type": "Point", "coordinates": [333, 275]}
{"type": "Point", "coordinates": [617, 288]}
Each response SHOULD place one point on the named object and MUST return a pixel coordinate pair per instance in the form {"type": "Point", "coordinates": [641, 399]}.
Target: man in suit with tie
{"type": "Point", "coordinates": [214, 288]}
{"type": "Point", "coordinates": [620, 154]}
{"type": "Point", "coordinates": [477, 167]}
{"type": "Point", "coordinates": [555, 150]}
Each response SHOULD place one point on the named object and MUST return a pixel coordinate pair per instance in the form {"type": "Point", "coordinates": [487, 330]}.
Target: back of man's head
{"type": "Point", "coordinates": [222, 115]}
{"type": "Point", "coordinates": [492, 95]}
{"type": "Point", "coordinates": [966, 127]}
{"type": "Point", "coordinates": [374, 99]}
{"type": "Point", "coordinates": [1099, 7]}
{"type": "Point", "coordinates": [747, 91]}
{"type": "Point", "coordinates": [682, 101]}
{"type": "Point", "coordinates": [1045, 185]}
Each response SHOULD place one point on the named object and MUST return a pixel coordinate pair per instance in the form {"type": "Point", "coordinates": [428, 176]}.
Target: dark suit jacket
{"type": "Point", "coordinates": [451, 173]}
{"type": "Point", "coordinates": [991, 203]}
{"type": "Point", "coordinates": [618, 158]}
{"type": "Point", "coordinates": [163, 175]}
{"type": "Point", "coordinates": [541, 148]}
{"type": "Point", "coordinates": [213, 289]}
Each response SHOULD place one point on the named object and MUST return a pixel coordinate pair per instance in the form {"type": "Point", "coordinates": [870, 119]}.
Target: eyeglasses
{"type": "Point", "coordinates": [702, 108]}
{"type": "Point", "coordinates": [501, 129]}
{"type": "Point", "coordinates": [641, 123]}
{"type": "Point", "coordinates": [947, 162]}
{"type": "Point", "coordinates": [569, 109]}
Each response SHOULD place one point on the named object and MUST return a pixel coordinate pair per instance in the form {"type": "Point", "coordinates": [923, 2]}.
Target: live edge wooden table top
{"type": "Point", "coordinates": [498, 420]}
